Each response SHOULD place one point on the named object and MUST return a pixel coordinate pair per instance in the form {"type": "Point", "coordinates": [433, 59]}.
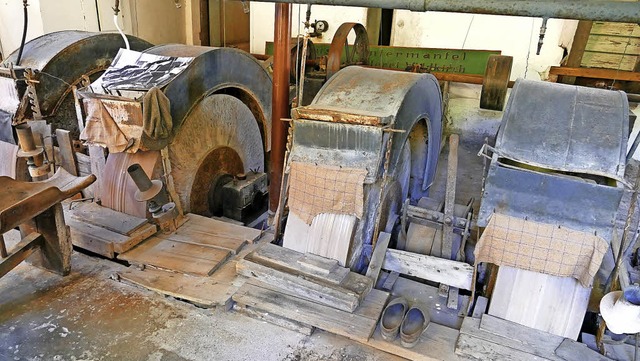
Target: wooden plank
{"type": "Point", "coordinates": [614, 44]}
{"type": "Point", "coordinates": [67, 154]}
{"type": "Point", "coordinates": [527, 348]}
{"type": "Point", "coordinates": [90, 212]}
{"type": "Point", "coordinates": [610, 61]}
{"type": "Point", "coordinates": [452, 298]}
{"type": "Point", "coordinates": [273, 319]}
{"type": "Point", "coordinates": [330, 235]}
{"type": "Point", "coordinates": [98, 162]}
{"type": "Point", "coordinates": [436, 343]}
{"type": "Point", "coordinates": [223, 229]}
{"type": "Point", "coordinates": [552, 304]}
{"type": "Point", "coordinates": [620, 29]}
{"type": "Point", "coordinates": [472, 348]}
{"type": "Point", "coordinates": [135, 238]}
{"type": "Point", "coordinates": [329, 113]}
{"type": "Point", "coordinates": [452, 273]}
{"type": "Point", "coordinates": [93, 238]}
{"type": "Point", "coordinates": [574, 351]}
{"type": "Point", "coordinates": [288, 260]}
{"type": "Point", "coordinates": [327, 294]}
{"type": "Point", "coordinates": [358, 325]}
{"type": "Point", "coordinates": [84, 164]}
{"type": "Point", "coordinates": [377, 258]}
{"type": "Point", "coordinates": [27, 246]}
{"type": "Point", "coordinates": [186, 234]}
{"type": "Point", "coordinates": [177, 256]}
{"type": "Point", "coordinates": [596, 73]}
{"type": "Point", "coordinates": [202, 291]}
{"type": "Point", "coordinates": [528, 339]}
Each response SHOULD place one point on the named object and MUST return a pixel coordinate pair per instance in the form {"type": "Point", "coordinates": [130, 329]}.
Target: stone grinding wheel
{"type": "Point", "coordinates": [219, 136]}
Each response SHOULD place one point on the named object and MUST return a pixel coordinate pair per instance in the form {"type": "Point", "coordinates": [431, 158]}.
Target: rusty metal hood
{"type": "Point", "coordinates": [566, 128]}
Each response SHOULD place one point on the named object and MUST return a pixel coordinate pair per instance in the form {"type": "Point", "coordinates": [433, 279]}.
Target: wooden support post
{"type": "Point", "coordinates": [56, 249]}
{"type": "Point", "coordinates": [23, 249]}
{"type": "Point", "coordinates": [580, 39]}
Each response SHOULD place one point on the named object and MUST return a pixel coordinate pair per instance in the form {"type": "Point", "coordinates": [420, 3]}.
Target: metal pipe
{"type": "Point", "coordinates": [598, 10]}
{"type": "Point", "coordinates": [280, 109]}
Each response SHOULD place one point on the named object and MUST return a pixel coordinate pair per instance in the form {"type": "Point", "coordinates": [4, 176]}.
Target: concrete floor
{"type": "Point", "coordinates": [87, 316]}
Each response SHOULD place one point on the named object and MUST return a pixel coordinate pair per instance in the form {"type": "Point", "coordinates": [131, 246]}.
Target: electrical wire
{"type": "Point", "coordinates": [24, 31]}
{"type": "Point", "coordinates": [124, 37]}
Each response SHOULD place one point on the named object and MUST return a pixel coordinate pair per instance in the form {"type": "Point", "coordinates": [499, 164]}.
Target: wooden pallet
{"type": "Point", "coordinates": [104, 231]}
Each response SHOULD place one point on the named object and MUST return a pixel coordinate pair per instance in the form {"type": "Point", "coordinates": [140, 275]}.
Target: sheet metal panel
{"type": "Point", "coordinates": [566, 128]}
{"type": "Point", "coordinates": [550, 198]}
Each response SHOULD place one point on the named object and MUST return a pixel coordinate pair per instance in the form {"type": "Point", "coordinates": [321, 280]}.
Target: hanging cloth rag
{"type": "Point", "coordinates": [156, 112]}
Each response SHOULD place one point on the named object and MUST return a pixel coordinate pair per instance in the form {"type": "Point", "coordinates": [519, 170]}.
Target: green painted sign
{"type": "Point", "coordinates": [434, 60]}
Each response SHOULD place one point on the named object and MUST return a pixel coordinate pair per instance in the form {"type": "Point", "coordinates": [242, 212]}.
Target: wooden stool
{"type": "Point", "coordinates": [36, 208]}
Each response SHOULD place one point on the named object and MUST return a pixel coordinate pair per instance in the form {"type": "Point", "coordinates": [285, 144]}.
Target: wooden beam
{"type": "Point", "coordinates": [580, 39]}
{"type": "Point", "coordinates": [450, 197]}
{"type": "Point", "coordinates": [596, 73]}
{"type": "Point", "coordinates": [452, 273]}
{"type": "Point", "coordinates": [23, 250]}
{"type": "Point", "coordinates": [327, 294]}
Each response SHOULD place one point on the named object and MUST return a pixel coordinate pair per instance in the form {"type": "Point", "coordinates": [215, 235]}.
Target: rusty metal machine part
{"type": "Point", "coordinates": [356, 53]}
{"type": "Point", "coordinates": [58, 61]}
{"type": "Point", "coordinates": [369, 118]}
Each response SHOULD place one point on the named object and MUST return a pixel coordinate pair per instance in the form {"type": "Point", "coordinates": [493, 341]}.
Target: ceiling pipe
{"type": "Point", "coordinates": [616, 11]}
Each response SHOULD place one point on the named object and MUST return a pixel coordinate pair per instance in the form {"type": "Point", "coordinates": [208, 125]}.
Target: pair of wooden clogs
{"type": "Point", "coordinates": [399, 318]}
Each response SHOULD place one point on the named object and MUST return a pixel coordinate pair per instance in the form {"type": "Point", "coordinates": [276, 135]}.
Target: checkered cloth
{"type": "Point", "coordinates": [316, 189]}
{"type": "Point", "coordinates": [540, 247]}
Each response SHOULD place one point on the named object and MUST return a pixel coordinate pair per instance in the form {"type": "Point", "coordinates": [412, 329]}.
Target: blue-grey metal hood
{"type": "Point", "coordinates": [566, 128]}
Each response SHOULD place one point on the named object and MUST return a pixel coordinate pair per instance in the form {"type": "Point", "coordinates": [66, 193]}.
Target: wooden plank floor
{"type": "Point", "coordinates": [177, 256]}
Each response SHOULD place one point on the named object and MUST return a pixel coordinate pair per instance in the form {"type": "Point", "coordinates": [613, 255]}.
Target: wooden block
{"type": "Point", "coordinates": [90, 212]}
{"type": "Point", "coordinates": [285, 259]}
{"type": "Point", "coordinates": [452, 298]}
{"type": "Point", "coordinates": [326, 294]}
{"type": "Point", "coordinates": [135, 238]}
{"type": "Point", "coordinates": [527, 338]}
{"type": "Point", "coordinates": [177, 256]}
{"type": "Point", "coordinates": [452, 273]}
{"type": "Point", "coordinates": [330, 235]}
{"type": "Point", "coordinates": [358, 325]}
{"type": "Point", "coordinates": [495, 82]}
{"type": "Point", "coordinates": [271, 318]}
{"type": "Point", "coordinates": [390, 281]}
{"type": "Point", "coordinates": [93, 238]}
{"type": "Point", "coordinates": [377, 258]}
{"type": "Point", "coordinates": [317, 264]}
{"type": "Point", "coordinates": [480, 308]}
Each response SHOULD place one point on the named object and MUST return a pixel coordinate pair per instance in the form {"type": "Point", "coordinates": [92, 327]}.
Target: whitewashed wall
{"type": "Point", "coordinates": [11, 24]}
{"type": "Point", "coordinates": [262, 21]}
{"type": "Point", "coordinates": [514, 36]}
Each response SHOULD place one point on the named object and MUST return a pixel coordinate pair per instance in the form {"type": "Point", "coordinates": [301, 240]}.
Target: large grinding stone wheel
{"type": "Point", "coordinates": [219, 137]}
